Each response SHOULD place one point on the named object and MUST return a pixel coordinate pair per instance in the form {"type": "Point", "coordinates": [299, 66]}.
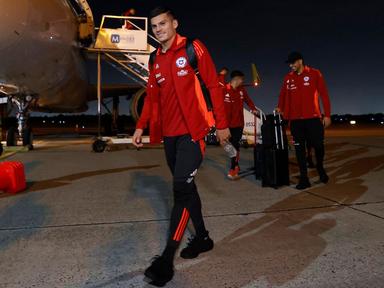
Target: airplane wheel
{"type": "Point", "coordinates": [11, 137]}
{"type": "Point", "coordinates": [1, 149]}
{"type": "Point", "coordinates": [99, 146]}
{"type": "Point", "coordinates": [28, 138]}
{"type": "Point", "coordinates": [137, 103]}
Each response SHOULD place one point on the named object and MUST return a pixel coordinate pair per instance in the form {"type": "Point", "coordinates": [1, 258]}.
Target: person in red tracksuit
{"type": "Point", "coordinates": [234, 98]}
{"type": "Point", "coordinates": [299, 103]}
{"type": "Point", "coordinates": [126, 23]}
{"type": "Point", "coordinates": [176, 111]}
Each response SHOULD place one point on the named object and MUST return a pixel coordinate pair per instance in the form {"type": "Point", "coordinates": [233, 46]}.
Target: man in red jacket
{"type": "Point", "coordinates": [127, 24]}
{"type": "Point", "coordinates": [175, 106]}
{"type": "Point", "coordinates": [299, 103]}
{"type": "Point", "coordinates": [234, 98]}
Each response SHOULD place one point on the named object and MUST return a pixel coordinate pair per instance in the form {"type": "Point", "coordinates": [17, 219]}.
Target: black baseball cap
{"type": "Point", "coordinates": [293, 57]}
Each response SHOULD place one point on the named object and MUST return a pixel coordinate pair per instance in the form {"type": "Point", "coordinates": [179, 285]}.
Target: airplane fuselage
{"type": "Point", "coordinates": [40, 56]}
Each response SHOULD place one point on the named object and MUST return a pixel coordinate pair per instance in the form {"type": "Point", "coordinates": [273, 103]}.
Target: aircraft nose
{"type": "Point", "coordinates": [13, 21]}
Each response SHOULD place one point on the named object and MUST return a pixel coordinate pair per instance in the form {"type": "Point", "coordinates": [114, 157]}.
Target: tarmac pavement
{"type": "Point", "coordinates": [95, 220]}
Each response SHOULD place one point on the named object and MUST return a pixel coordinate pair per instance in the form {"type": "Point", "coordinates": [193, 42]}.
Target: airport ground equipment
{"type": "Point", "coordinates": [12, 177]}
{"type": "Point", "coordinates": [258, 150]}
{"type": "Point", "coordinates": [110, 143]}
{"type": "Point", "coordinates": [252, 138]}
{"type": "Point", "coordinates": [127, 50]}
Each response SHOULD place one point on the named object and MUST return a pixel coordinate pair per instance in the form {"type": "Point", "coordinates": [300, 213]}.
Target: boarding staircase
{"type": "Point", "coordinates": [127, 50]}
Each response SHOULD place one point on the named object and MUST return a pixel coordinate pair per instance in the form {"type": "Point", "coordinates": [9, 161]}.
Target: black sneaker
{"type": "Point", "coordinates": [160, 272]}
{"type": "Point", "coordinates": [196, 246]}
{"type": "Point", "coordinates": [303, 184]}
{"type": "Point", "coordinates": [324, 177]}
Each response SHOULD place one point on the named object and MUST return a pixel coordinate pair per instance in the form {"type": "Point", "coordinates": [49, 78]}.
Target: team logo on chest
{"type": "Point", "coordinates": [291, 84]}
{"type": "Point", "coordinates": [306, 79]}
{"type": "Point", "coordinates": [181, 62]}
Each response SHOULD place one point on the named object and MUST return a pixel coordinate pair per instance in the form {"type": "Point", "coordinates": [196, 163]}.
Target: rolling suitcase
{"type": "Point", "coordinates": [274, 152]}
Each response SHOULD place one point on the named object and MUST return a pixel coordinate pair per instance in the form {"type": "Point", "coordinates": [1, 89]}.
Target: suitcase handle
{"type": "Point", "coordinates": [275, 113]}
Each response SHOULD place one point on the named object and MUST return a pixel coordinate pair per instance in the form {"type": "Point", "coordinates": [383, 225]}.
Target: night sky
{"type": "Point", "coordinates": [344, 39]}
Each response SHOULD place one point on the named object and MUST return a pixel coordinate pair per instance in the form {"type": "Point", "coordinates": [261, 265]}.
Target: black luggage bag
{"type": "Point", "coordinates": [271, 157]}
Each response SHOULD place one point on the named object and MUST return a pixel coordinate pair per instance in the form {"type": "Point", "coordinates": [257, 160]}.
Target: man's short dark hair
{"type": "Point", "coordinates": [293, 57]}
{"type": "Point", "coordinates": [161, 10]}
{"type": "Point", "coordinates": [236, 73]}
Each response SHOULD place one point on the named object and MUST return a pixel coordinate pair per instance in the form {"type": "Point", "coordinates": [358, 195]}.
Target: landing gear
{"type": "Point", "coordinates": [28, 138]}
{"type": "Point", "coordinates": [11, 137]}
{"type": "Point", "coordinates": [23, 132]}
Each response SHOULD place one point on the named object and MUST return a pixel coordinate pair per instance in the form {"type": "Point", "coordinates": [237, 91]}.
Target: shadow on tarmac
{"type": "Point", "coordinates": [278, 246]}
{"type": "Point", "coordinates": [66, 180]}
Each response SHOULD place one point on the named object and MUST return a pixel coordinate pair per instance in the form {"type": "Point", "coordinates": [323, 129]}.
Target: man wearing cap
{"type": "Point", "coordinates": [234, 98]}
{"type": "Point", "coordinates": [299, 104]}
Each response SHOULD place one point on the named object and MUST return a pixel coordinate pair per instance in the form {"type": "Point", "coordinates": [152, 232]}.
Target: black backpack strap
{"type": "Point", "coordinates": [152, 58]}
{"type": "Point", "coordinates": [191, 54]}
{"type": "Point", "coordinates": [192, 59]}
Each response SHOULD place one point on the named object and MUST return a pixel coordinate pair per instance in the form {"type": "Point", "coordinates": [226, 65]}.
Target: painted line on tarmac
{"type": "Point", "coordinates": [367, 145]}
{"type": "Point", "coordinates": [351, 205]}
{"type": "Point", "coordinates": [249, 213]}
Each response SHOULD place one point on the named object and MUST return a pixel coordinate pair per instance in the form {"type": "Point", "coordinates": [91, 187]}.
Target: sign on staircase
{"type": "Point", "coordinates": [121, 39]}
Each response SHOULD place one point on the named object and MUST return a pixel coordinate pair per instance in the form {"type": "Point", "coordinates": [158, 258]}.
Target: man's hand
{"type": "Point", "coordinates": [278, 110]}
{"type": "Point", "coordinates": [223, 135]}
{"type": "Point", "coordinates": [326, 122]}
{"type": "Point", "coordinates": [136, 138]}
{"type": "Point", "coordinates": [255, 112]}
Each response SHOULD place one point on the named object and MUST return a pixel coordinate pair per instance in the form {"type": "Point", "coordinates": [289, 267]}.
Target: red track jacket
{"type": "Point", "coordinates": [299, 95]}
{"type": "Point", "coordinates": [234, 102]}
{"type": "Point", "coordinates": [188, 92]}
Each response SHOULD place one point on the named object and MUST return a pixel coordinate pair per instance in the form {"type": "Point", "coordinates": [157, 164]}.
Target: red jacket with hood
{"type": "Point", "coordinates": [188, 92]}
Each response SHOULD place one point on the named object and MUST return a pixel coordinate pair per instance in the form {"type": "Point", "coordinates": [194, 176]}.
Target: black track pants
{"type": "Point", "coordinates": [308, 132]}
{"type": "Point", "coordinates": [236, 134]}
{"type": "Point", "coordinates": [184, 157]}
